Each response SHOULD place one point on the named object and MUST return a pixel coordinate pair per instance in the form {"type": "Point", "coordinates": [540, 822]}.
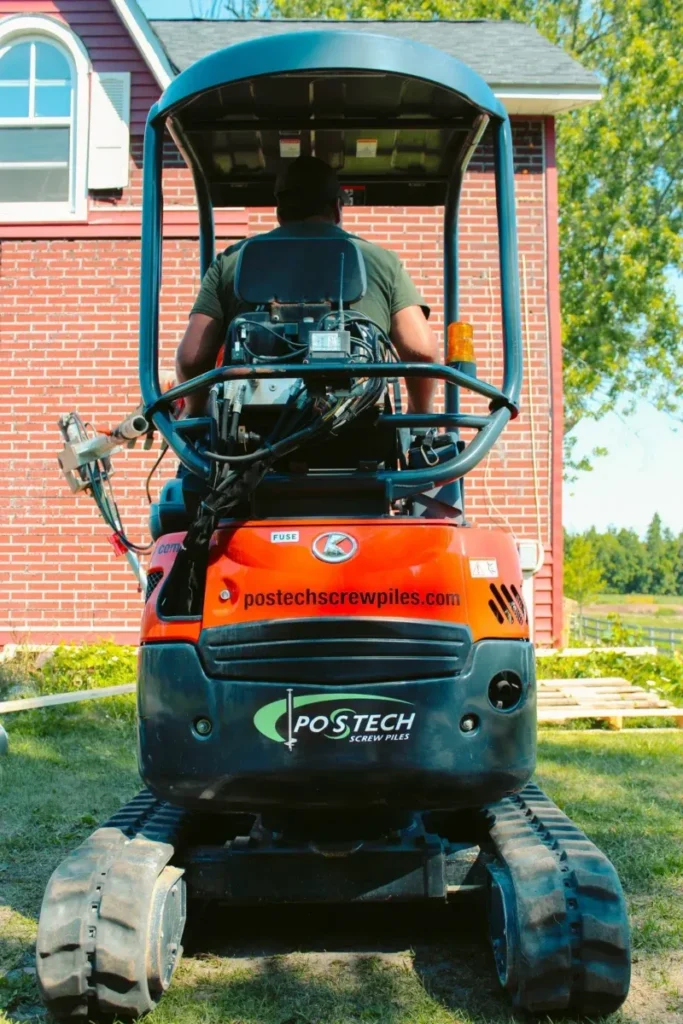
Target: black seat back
{"type": "Point", "coordinates": [290, 269]}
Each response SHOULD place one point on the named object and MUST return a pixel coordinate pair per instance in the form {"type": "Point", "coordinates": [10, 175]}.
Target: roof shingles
{"type": "Point", "coordinates": [504, 53]}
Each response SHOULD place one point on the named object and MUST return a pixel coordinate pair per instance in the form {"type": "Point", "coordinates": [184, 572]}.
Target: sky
{"type": "Point", "coordinates": [642, 473]}
{"type": "Point", "coordinates": [643, 470]}
{"type": "Point", "coordinates": [169, 8]}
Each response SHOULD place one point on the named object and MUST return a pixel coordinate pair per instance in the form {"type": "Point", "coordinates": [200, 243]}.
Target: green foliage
{"type": "Point", "coordinates": [621, 186]}
{"type": "Point", "coordinates": [86, 667]}
{"type": "Point", "coordinates": [583, 578]}
{"type": "Point", "coordinates": [72, 668]}
{"type": "Point", "coordinates": [662, 672]}
{"type": "Point", "coordinates": [629, 565]}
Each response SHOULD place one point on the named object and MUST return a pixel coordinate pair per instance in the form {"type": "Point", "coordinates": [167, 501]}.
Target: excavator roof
{"type": "Point", "coordinates": [390, 115]}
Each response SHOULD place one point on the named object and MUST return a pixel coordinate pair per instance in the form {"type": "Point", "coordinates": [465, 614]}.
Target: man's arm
{"type": "Point", "coordinates": [415, 342]}
{"type": "Point", "coordinates": [196, 354]}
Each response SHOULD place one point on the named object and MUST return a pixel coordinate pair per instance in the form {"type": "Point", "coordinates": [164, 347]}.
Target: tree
{"type": "Point", "coordinates": [621, 186]}
{"type": "Point", "coordinates": [629, 565]}
{"type": "Point", "coordinates": [583, 579]}
{"type": "Point", "coordinates": [621, 556]}
{"type": "Point", "coordinates": [662, 556]}
{"type": "Point", "coordinates": [239, 9]}
{"type": "Point", "coordinates": [679, 564]}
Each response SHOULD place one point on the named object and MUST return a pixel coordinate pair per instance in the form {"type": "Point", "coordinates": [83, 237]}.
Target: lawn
{"type": "Point", "coordinates": [68, 770]}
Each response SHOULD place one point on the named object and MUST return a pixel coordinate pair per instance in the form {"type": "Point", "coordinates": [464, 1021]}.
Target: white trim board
{"type": "Point", "coordinates": [521, 99]}
{"type": "Point", "coordinates": [146, 40]}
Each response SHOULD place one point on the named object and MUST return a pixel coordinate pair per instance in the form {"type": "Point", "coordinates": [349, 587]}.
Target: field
{"type": "Point", "coordinates": [662, 612]}
{"type": "Point", "coordinates": [67, 771]}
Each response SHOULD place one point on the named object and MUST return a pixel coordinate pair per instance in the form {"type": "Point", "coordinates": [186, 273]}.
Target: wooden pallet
{"type": "Point", "coordinates": [610, 698]}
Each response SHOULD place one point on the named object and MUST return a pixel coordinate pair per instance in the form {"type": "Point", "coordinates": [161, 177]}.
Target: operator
{"type": "Point", "coordinates": [309, 202]}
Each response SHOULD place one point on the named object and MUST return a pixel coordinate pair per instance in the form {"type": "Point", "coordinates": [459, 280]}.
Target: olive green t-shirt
{"type": "Point", "coordinates": [389, 288]}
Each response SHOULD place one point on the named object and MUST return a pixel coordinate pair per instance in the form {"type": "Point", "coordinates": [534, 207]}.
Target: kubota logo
{"type": "Point", "coordinates": [334, 547]}
{"type": "Point", "coordinates": [281, 721]}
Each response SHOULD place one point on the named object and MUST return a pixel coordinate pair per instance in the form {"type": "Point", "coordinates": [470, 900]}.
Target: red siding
{"type": "Point", "coordinates": [107, 41]}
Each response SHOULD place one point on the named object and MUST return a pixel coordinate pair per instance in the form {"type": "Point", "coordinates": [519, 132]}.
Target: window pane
{"type": "Point", "coordinates": [34, 145]}
{"type": "Point", "coordinates": [53, 100]}
{"type": "Point", "coordinates": [50, 63]}
{"type": "Point", "coordinates": [15, 63]}
{"type": "Point", "coordinates": [13, 102]}
{"type": "Point", "coordinates": [34, 185]}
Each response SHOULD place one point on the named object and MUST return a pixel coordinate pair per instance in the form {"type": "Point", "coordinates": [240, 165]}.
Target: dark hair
{"type": "Point", "coordinates": [299, 207]}
{"type": "Point", "coordinates": [306, 187]}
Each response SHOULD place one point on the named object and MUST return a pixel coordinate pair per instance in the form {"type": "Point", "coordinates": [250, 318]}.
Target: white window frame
{"type": "Point", "coordinates": [41, 28]}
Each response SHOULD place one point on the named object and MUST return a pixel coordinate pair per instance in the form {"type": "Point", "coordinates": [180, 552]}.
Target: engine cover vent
{"type": "Point", "coordinates": [507, 605]}
{"type": "Point", "coordinates": [335, 650]}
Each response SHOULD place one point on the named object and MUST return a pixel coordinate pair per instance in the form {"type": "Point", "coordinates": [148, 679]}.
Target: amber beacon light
{"type": "Point", "coordinates": [461, 347]}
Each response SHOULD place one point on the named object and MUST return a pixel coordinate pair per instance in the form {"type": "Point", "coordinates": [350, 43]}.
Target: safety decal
{"type": "Point", "coordinates": [348, 720]}
{"type": "Point", "coordinates": [484, 568]}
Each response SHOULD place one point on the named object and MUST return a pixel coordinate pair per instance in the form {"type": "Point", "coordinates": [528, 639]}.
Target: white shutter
{"type": "Point", "coordinates": [109, 130]}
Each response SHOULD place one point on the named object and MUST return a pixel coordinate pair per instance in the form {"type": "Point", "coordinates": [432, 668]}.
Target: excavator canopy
{"type": "Point", "coordinates": [390, 115]}
{"type": "Point", "coordinates": [399, 122]}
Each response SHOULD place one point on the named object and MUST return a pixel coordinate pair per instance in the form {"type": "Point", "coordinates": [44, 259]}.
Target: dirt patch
{"type": "Point", "coordinates": [656, 994]}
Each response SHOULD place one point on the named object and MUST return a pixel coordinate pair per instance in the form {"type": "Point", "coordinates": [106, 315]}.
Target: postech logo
{"type": "Point", "coordinates": [342, 716]}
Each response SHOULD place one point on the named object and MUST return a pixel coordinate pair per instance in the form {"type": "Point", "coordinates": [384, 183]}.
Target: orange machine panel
{"type": "Point", "coordinates": [416, 569]}
{"type": "Point", "coordinates": [153, 628]}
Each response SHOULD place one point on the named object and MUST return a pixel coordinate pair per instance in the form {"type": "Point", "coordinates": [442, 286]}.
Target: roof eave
{"type": "Point", "coordinates": [542, 100]}
{"type": "Point", "coordinates": [146, 40]}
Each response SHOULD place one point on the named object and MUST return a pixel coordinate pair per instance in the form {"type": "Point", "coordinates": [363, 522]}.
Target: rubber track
{"type": "Point", "coordinates": [573, 943]}
{"type": "Point", "coordinates": [91, 942]}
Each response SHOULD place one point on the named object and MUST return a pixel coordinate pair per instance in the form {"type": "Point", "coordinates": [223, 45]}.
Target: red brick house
{"type": "Point", "coordinates": [77, 78]}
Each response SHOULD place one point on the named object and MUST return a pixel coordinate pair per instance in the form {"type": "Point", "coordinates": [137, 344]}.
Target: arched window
{"type": "Point", "coordinates": [43, 120]}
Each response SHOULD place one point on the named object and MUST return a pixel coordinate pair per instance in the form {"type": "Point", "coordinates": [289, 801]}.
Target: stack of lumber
{"type": "Point", "coordinates": [612, 699]}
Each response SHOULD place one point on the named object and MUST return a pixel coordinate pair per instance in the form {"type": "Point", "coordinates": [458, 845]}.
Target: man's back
{"type": "Point", "coordinates": [309, 204]}
{"type": "Point", "coordinates": [389, 288]}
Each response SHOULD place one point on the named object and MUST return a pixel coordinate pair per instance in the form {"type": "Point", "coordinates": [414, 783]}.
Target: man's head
{"type": "Point", "coordinates": [308, 189]}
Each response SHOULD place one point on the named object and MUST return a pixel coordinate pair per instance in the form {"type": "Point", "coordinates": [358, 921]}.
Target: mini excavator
{"type": "Point", "coordinates": [336, 689]}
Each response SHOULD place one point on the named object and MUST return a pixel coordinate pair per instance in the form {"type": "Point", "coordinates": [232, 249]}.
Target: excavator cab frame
{"type": "Point", "coordinates": [400, 122]}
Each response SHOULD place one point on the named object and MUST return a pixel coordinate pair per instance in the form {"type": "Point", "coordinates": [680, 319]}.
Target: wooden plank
{"type": "Point", "coordinates": [611, 691]}
{"type": "Point", "coordinates": [597, 702]}
{"type": "Point", "coordinates": [9, 706]}
{"type": "Point", "coordinates": [605, 680]}
{"type": "Point", "coordinates": [579, 652]}
{"type": "Point", "coordinates": [609, 697]}
{"type": "Point", "coordinates": [561, 714]}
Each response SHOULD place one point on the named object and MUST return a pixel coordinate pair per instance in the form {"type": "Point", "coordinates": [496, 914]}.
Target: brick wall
{"type": "Point", "coordinates": [69, 341]}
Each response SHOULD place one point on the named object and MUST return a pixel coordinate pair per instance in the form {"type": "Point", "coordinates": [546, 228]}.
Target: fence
{"type": "Point", "coordinates": [662, 637]}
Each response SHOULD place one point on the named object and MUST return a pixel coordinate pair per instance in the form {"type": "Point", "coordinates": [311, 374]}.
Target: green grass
{"type": "Point", "coordinates": [67, 772]}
